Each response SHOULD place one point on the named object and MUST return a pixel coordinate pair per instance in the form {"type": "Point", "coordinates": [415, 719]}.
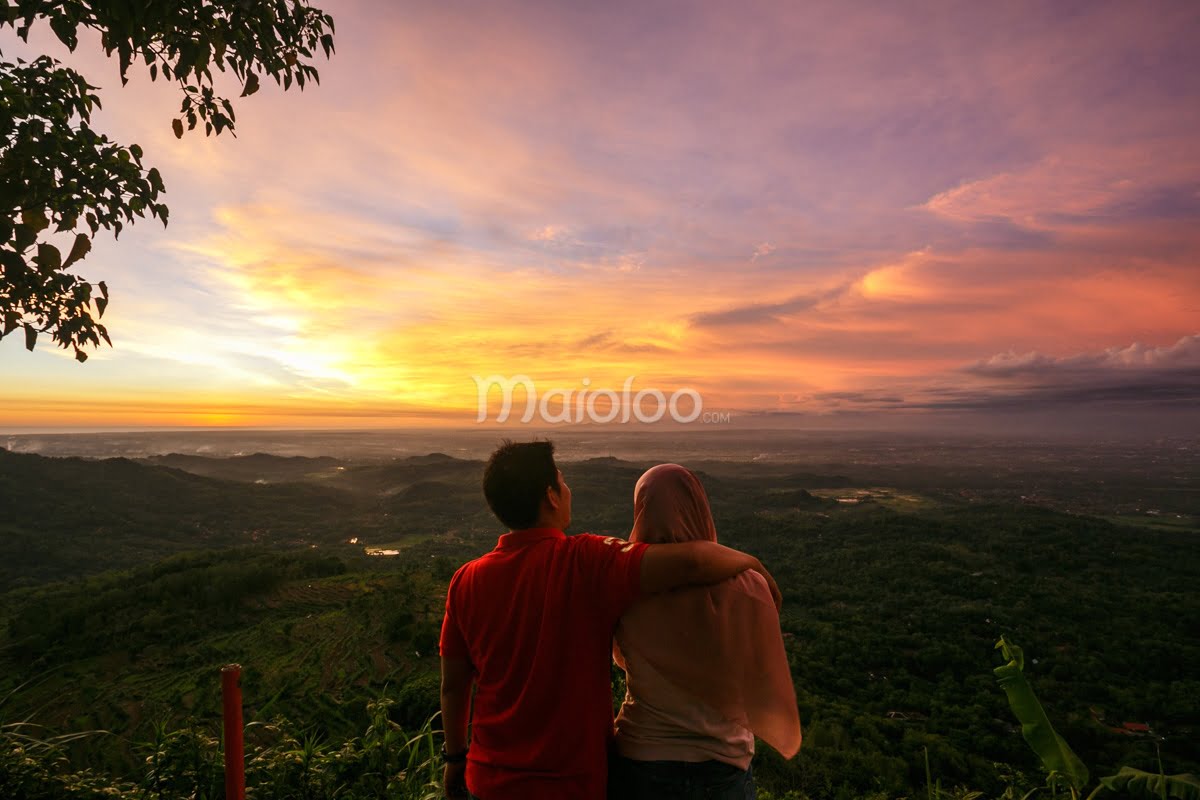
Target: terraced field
{"type": "Point", "coordinates": [314, 649]}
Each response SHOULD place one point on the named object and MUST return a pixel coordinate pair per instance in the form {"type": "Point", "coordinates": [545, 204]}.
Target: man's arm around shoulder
{"type": "Point", "coordinates": [672, 566]}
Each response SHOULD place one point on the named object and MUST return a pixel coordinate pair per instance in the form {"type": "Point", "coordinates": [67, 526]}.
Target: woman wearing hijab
{"type": "Point", "coordinates": [705, 668]}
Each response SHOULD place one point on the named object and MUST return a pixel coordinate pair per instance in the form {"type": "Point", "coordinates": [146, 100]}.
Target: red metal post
{"type": "Point", "coordinates": [235, 766]}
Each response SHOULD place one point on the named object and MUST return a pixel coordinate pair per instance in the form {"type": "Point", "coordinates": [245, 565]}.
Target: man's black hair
{"type": "Point", "coordinates": [516, 479]}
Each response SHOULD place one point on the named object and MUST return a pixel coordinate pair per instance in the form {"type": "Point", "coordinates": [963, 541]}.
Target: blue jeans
{"type": "Point", "coordinates": [677, 780]}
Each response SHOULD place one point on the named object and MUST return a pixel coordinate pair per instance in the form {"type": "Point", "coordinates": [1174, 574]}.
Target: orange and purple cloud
{"type": "Point", "coordinates": [805, 212]}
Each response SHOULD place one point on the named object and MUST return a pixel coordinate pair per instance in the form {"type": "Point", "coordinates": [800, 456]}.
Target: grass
{"type": "Point", "coordinates": [282, 762]}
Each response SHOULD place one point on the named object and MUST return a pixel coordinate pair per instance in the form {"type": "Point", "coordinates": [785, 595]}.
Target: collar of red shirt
{"type": "Point", "coordinates": [528, 536]}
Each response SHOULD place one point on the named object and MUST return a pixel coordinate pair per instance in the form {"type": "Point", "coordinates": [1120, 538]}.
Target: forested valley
{"type": "Point", "coordinates": [128, 584]}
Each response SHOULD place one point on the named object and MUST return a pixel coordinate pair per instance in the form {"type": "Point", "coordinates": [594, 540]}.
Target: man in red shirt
{"type": "Point", "coordinates": [530, 625]}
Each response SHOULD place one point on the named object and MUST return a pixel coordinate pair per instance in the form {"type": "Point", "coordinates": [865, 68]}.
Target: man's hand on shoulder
{"type": "Point", "coordinates": [762, 580]}
{"type": "Point", "coordinates": [776, 595]}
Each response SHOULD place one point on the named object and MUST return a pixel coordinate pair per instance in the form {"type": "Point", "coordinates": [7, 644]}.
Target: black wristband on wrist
{"type": "Point", "coordinates": [456, 758]}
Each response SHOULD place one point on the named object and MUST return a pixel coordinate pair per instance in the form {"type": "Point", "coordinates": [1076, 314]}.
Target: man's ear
{"type": "Point", "coordinates": [553, 497]}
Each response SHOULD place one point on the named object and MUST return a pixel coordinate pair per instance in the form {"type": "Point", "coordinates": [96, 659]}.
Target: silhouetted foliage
{"type": "Point", "coordinates": [60, 178]}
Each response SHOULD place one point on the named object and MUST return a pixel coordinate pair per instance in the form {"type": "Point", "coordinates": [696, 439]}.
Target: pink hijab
{"type": "Point", "coordinates": [722, 643]}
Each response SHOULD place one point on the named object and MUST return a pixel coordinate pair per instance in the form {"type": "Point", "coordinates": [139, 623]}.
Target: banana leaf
{"type": "Point", "coordinates": [1056, 755]}
{"type": "Point", "coordinates": [1139, 783]}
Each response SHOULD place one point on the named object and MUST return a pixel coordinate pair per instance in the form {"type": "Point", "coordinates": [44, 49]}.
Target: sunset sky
{"type": "Point", "coordinates": [811, 213]}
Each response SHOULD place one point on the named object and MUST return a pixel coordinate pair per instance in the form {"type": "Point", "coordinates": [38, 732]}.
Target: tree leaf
{"type": "Point", "coordinates": [1128, 780]}
{"type": "Point", "coordinates": [48, 258]}
{"type": "Point", "coordinates": [81, 248]}
{"type": "Point", "coordinates": [1055, 754]}
{"type": "Point", "coordinates": [101, 304]}
{"type": "Point", "coordinates": [155, 179]}
{"type": "Point", "coordinates": [124, 56]}
{"type": "Point", "coordinates": [13, 263]}
{"type": "Point", "coordinates": [36, 219]}
{"type": "Point", "coordinates": [80, 356]}
{"type": "Point", "coordinates": [177, 126]}
{"type": "Point", "coordinates": [23, 237]}
{"type": "Point", "coordinates": [251, 84]}
{"type": "Point", "coordinates": [64, 29]}
{"type": "Point", "coordinates": [30, 337]}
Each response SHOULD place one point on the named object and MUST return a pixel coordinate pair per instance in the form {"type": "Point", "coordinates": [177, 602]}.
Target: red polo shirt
{"type": "Point", "coordinates": [535, 617]}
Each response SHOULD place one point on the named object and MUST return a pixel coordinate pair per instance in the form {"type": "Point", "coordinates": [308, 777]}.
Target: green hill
{"type": "Point", "coordinates": [69, 517]}
{"type": "Point", "coordinates": [262, 467]}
